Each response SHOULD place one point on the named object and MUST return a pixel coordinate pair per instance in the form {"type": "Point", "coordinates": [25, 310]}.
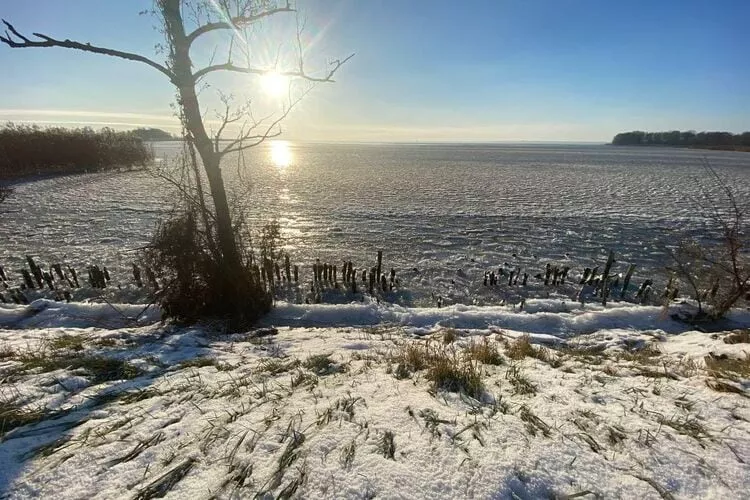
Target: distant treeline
{"type": "Point", "coordinates": [31, 150]}
{"type": "Point", "coordinates": [152, 134]}
{"type": "Point", "coordinates": [692, 139]}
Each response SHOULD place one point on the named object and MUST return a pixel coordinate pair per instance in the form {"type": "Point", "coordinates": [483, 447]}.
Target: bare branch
{"type": "Point", "coordinates": [241, 143]}
{"type": "Point", "coordinates": [16, 40]}
{"type": "Point", "coordinates": [328, 78]}
{"type": "Point", "coordinates": [237, 22]}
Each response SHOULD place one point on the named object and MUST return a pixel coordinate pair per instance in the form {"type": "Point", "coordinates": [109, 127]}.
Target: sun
{"type": "Point", "coordinates": [274, 84]}
{"type": "Point", "coordinates": [281, 154]}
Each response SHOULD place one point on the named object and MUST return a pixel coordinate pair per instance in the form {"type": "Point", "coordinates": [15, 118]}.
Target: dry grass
{"type": "Point", "coordinates": [485, 352]}
{"type": "Point", "coordinates": [454, 375]}
{"type": "Point", "coordinates": [738, 337]}
{"type": "Point", "coordinates": [521, 384]}
{"type": "Point", "coordinates": [450, 335]}
{"type": "Point", "coordinates": [446, 369]}
{"type": "Point", "coordinates": [521, 348]}
{"type": "Point", "coordinates": [725, 366]}
{"type": "Point", "coordinates": [68, 342]}
{"type": "Point", "coordinates": [13, 415]}
{"type": "Point", "coordinates": [322, 364]}
{"type": "Point", "coordinates": [102, 369]}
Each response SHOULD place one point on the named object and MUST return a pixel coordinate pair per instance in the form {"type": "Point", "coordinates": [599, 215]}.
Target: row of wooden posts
{"type": "Point", "coordinates": [603, 283]}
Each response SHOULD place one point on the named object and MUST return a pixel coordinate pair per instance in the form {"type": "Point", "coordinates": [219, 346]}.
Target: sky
{"type": "Point", "coordinates": [423, 70]}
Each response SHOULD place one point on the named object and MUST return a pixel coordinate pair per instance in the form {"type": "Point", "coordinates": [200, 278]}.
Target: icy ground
{"type": "Point", "coordinates": [100, 401]}
{"type": "Point", "coordinates": [444, 214]}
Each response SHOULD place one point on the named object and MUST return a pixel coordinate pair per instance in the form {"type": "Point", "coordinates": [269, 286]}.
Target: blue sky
{"type": "Point", "coordinates": [476, 70]}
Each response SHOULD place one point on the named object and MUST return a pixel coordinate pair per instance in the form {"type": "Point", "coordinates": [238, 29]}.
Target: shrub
{"type": "Point", "coordinates": [716, 268]}
{"type": "Point", "coordinates": [195, 283]}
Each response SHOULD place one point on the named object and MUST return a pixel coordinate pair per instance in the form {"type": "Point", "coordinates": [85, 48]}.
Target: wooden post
{"type": "Point", "coordinates": [608, 266]}
{"type": "Point", "coordinates": [371, 287]}
{"type": "Point", "coordinates": [564, 274]}
{"type": "Point", "coordinates": [27, 279]}
{"type": "Point", "coordinates": [510, 279]}
{"type": "Point", "coordinates": [383, 283]}
{"type": "Point", "coordinates": [605, 291]}
{"type": "Point", "coordinates": [287, 268]}
{"type": "Point", "coordinates": [380, 262]}
{"type": "Point", "coordinates": [48, 279]}
{"type": "Point", "coordinates": [296, 273]}
{"type": "Point", "coordinates": [2, 274]}
{"type": "Point", "coordinates": [627, 280]}
{"type": "Point", "coordinates": [525, 278]}
{"type": "Point", "coordinates": [335, 277]}
{"type": "Point", "coordinates": [364, 276]}
{"type": "Point", "coordinates": [547, 272]}
{"type": "Point", "coordinates": [137, 276]}
{"type": "Point", "coordinates": [585, 278]}
{"type": "Point", "coordinates": [354, 280]}
{"type": "Point", "coordinates": [73, 273]}
{"type": "Point", "coordinates": [592, 277]}
{"type": "Point", "coordinates": [35, 270]}
{"type": "Point", "coordinates": [484, 283]}
{"type": "Point", "coordinates": [278, 271]}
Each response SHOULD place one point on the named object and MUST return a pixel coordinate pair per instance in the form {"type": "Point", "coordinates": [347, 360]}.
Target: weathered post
{"type": "Point", "coordinates": [592, 277]}
{"type": "Point", "coordinates": [35, 270]}
{"type": "Point", "coordinates": [287, 268]}
{"type": "Point", "coordinates": [547, 272]}
{"type": "Point", "coordinates": [585, 278]}
{"type": "Point", "coordinates": [296, 273]}
{"type": "Point", "coordinates": [625, 283]}
{"type": "Point", "coordinates": [27, 279]}
{"type": "Point", "coordinates": [380, 262]}
{"type": "Point", "coordinates": [371, 287]}
{"type": "Point", "coordinates": [608, 266]}
{"type": "Point", "coordinates": [136, 276]}
{"type": "Point", "coordinates": [383, 283]}
{"type": "Point", "coordinates": [73, 273]}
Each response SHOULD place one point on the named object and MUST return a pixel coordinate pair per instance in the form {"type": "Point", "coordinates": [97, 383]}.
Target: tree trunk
{"type": "Point", "coordinates": [185, 82]}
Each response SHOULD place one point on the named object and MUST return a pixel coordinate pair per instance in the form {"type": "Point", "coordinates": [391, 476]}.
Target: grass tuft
{"type": "Point", "coordinates": [387, 445]}
{"type": "Point", "coordinates": [101, 368]}
{"type": "Point", "coordinates": [521, 384]}
{"type": "Point", "coordinates": [322, 364]}
{"type": "Point", "coordinates": [68, 342]}
{"type": "Point", "coordinates": [484, 352]}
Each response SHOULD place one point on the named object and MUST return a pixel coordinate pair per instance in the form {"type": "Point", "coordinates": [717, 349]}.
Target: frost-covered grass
{"type": "Point", "coordinates": [327, 412]}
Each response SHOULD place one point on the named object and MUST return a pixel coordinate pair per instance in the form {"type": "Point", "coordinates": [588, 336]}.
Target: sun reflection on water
{"type": "Point", "coordinates": [281, 154]}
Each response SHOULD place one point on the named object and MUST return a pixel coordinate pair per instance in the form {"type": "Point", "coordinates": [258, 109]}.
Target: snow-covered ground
{"type": "Point", "coordinates": [348, 402]}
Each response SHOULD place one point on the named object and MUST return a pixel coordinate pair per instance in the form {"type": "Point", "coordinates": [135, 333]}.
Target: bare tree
{"type": "Point", "coordinates": [183, 24]}
{"type": "Point", "coordinates": [717, 268]}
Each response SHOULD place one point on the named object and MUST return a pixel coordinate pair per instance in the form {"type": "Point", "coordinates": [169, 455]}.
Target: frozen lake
{"type": "Point", "coordinates": [443, 213]}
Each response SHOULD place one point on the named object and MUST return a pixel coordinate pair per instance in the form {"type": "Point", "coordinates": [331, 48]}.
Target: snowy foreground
{"type": "Point", "coordinates": [369, 401]}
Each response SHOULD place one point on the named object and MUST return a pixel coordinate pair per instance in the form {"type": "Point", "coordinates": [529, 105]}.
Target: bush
{"type": "Point", "coordinates": [195, 283]}
{"type": "Point", "coordinates": [716, 269]}
{"type": "Point", "coordinates": [31, 150]}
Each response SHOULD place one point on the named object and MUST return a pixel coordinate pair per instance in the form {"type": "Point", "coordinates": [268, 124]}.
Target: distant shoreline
{"type": "Point", "coordinates": [741, 149]}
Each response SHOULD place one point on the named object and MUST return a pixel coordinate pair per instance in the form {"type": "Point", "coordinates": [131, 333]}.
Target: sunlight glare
{"type": "Point", "coordinates": [281, 154]}
{"type": "Point", "coordinates": [274, 84]}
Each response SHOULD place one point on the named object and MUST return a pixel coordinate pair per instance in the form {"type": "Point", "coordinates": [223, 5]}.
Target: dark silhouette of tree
{"type": "Point", "coordinates": [184, 22]}
{"type": "Point", "coordinates": [723, 140]}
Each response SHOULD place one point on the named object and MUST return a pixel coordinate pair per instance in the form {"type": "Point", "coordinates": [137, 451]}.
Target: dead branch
{"type": "Point", "coordinates": [237, 22]}
{"type": "Point", "coordinates": [328, 78]}
{"type": "Point", "coordinates": [16, 40]}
